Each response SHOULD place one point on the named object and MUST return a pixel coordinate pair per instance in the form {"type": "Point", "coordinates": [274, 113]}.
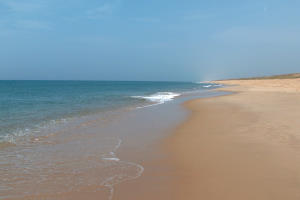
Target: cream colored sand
{"type": "Point", "coordinates": [241, 146]}
{"type": "Point", "coordinates": [268, 85]}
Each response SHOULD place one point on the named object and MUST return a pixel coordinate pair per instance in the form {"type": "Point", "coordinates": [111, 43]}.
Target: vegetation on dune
{"type": "Point", "coordinates": [282, 76]}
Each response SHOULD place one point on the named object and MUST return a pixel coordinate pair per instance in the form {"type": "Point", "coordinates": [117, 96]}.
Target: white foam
{"type": "Point", "coordinates": [110, 182]}
{"type": "Point", "coordinates": [119, 178]}
{"type": "Point", "coordinates": [207, 86]}
{"type": "Point", "coordinates": [8, 138]}
{"type": "Point", "coordinates": [160, 97]}
{"type": "Point", "coordinates": [201, 82]}
{"type": "Point", "coordinates": [112, 159]}
{"type": "Point", "coordinates": [112, 154]}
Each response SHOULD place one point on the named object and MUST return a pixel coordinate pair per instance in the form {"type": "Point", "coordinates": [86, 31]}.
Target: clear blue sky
{"type": "Point", "coordinates": [187, 40]}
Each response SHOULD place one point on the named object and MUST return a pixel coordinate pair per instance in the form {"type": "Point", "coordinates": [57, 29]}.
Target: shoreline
{"type": "Point", "coordinates": [107, 155]}
{"type": "Point", "coordinates": [245, 145]}
{"type": "Point", "coordinates": [240, 146]}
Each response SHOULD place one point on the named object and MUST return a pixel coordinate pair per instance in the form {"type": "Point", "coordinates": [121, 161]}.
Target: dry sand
{"type": "Point", "coordinates": [241, 146]}
{"type": "Point", "coordinates": [235, 147]}
{"type": "Point", "coordinates": [267, 85]}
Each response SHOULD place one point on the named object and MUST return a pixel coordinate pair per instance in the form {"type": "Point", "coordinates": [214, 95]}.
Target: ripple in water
{"type": "Point", "coordinates": [60, 167]}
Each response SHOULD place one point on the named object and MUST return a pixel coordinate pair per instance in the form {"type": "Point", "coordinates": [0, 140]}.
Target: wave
{"type": "Point", "coordinates": [159, 97]}
{"type": "Point", "coordinates": [209, 85]}
{"type": "Point", "coordinates": [202, 82]}
{"type": "Point", "coordinates": [120, 176]}
{"type": "Point", "coordinates": [21, 134]}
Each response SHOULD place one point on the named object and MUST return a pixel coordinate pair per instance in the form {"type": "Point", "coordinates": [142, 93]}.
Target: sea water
{"type": "Point", "coordinates": [56, 136]}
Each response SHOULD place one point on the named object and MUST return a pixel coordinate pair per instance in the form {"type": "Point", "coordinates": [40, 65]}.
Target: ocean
{"type": "Point", "coordinates": [43, 124]}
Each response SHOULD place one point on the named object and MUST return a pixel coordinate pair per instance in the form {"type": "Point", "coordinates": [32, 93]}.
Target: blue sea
{"type": "Point", "coordinates": [61, 136]}
{"type": "Point", "coordinates": [26, 107]}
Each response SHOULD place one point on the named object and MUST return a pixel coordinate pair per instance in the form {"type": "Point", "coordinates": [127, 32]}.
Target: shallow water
{"type": "Point", "coordinates": [29, 108]}
{"type": "Point", "coordinates": [83, 152]}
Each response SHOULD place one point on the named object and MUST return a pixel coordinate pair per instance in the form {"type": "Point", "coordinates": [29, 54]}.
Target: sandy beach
{"type": "Point", "coordinates": [240, 146]}
{"type": "Point", "coordinates": [149, 100]}
{"type": "Point", "coordinates": [243, 145]}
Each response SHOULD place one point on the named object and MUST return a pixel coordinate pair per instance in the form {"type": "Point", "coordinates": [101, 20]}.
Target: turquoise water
{"type": "Point", "coordinates": [27, 107]}
{"type": "Point", "coordinates": [60, 137]}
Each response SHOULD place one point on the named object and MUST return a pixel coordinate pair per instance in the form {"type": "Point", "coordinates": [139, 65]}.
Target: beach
{"type": "Point", "coordinates": [241, 146]}
{"type": "Point", "coordinates": [81, 139]}
{"type": "Point", "coordinates": [149, 100]}
{"type": "Point", "coordinates": [245, 145]}
{"type": "Point", "coordinates": [240, 141]}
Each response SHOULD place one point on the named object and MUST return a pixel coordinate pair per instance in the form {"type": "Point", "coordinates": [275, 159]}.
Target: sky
{"type": "Point", "coordinates": [157, 40]}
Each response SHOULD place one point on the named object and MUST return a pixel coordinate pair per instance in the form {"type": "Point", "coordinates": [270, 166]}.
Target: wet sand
{"type": "Point", "coordinates": [240, 146]}
{"type": "Point", "coordinates": [245, 145]}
